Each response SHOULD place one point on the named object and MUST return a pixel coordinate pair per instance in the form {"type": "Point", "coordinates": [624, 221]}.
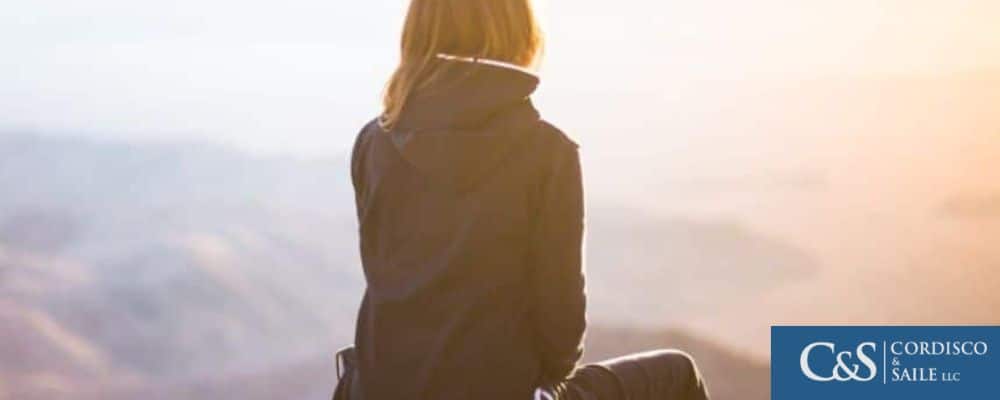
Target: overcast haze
{"type": "Point", "coordinates": [299, 77]}
{"type": "Point", "coordinates": [746, 164]}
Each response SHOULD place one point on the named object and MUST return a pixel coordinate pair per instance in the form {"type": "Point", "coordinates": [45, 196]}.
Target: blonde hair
{"type": "Point", "coordinates": [502, 30]}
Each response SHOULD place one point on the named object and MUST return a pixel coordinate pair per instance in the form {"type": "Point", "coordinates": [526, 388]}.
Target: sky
{"type": "Point", "coordinates": [299, 77]}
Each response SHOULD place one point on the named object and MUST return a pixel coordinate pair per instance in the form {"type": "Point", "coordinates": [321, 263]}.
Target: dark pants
{"type": "Point", "coordinates": [654, 375]}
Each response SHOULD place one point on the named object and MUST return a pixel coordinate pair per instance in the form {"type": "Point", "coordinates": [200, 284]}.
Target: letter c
{"type": "Point", "coordinates": [804, 361]}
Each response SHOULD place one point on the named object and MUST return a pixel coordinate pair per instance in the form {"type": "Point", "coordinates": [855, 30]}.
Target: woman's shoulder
{"type": "Point", "coordinates": [370, 128]}
{"type": "Point", "coordinates": [558, 138]}
{"type": "Point", "coordinates": [362, 141]}
{"type": "Point", "coordinates": [552, 147]}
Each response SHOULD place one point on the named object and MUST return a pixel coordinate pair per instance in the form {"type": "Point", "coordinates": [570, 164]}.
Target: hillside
{"type": "Point", "coordinates": [137, 271]}
{"type": "Point", "coordinates": [729, 375]}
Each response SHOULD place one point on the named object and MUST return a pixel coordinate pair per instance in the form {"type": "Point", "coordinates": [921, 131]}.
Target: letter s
{"type": "Point", "coordinates": [804, 361]}
{"type": "Point", "coordinates": [867, 361]}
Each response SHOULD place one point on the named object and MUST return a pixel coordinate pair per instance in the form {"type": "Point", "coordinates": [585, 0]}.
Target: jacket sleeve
{"type": "Point", "coordinates": [557, 277]}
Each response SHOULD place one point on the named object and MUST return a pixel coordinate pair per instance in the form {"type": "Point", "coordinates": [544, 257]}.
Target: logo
{"type": "Point", "coordinates": [885, 362]}
{"type": "Point", "coordinates": [848, 366]}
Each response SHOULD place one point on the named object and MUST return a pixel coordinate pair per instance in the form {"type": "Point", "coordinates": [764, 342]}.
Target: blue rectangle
{"type": "Point", "coordinates": [885, 362]}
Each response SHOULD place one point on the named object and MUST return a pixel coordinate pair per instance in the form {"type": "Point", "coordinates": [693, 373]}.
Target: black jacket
{"type": "Point", "coordinates": [471, 222]}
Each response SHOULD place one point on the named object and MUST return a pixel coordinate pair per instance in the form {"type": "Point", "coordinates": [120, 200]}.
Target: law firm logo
{"type": "Point", "coordinates": [848, 365]}
{"type": "Point", "coordinates": [914, 363]}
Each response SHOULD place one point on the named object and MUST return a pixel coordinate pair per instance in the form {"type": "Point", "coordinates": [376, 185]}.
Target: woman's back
{"type": "Point", "coordinates": [471, 220]}
{"type": "Point", "coordinates": [471, 214]}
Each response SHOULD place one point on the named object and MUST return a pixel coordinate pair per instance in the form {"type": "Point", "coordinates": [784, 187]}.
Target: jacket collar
{"type": "Point", "coordinates": [487, 61]}
{"type": "Point", "coordinates": [464, 95]}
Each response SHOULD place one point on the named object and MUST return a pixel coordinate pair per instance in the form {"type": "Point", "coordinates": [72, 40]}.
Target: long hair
{"type": "Point", "coordinates": [502, 30]}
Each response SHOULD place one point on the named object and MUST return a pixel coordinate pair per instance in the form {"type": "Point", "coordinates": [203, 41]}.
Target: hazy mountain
{"type": "Point", "coordinates": [731, 376]}
{"type": "Point", "coordinates": [173, 270]}
{"type": "Point", "coordinates": [656, 271]}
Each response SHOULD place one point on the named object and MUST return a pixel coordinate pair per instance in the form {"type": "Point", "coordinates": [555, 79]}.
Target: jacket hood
{"type": "Point", "coordinates": [465, 125]}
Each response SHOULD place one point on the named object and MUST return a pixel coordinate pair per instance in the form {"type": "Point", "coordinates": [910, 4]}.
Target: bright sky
{"type": "Point", "coordinates": [299, 77]}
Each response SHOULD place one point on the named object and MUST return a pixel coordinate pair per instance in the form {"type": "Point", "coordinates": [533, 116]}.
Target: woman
{"type": "Point", "coordinates": [471, 224]}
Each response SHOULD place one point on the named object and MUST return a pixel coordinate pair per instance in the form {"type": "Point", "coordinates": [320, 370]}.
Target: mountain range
{"type": "Point", "coordinates": [184, 271]}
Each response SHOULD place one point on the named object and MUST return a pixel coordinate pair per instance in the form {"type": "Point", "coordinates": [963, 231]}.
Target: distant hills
{"type": "Point", "coordinates": [730, 376]}
{"type": "Point", "coordinates": [179, 271]}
